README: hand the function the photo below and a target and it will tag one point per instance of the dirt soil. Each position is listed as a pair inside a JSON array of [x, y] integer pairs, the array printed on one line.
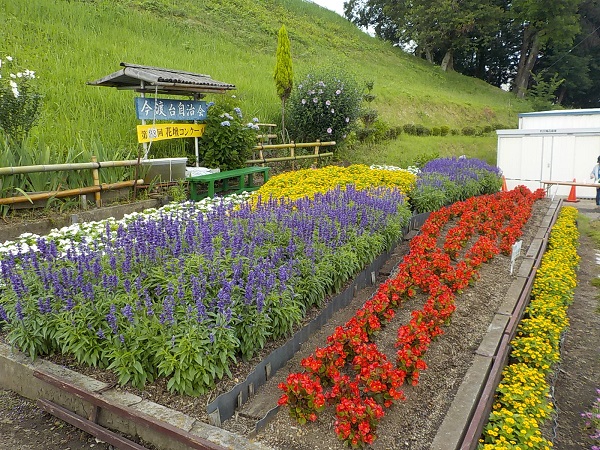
[[410, 424]]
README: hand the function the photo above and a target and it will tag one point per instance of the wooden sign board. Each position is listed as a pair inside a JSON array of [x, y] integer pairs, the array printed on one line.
[[159, 132]]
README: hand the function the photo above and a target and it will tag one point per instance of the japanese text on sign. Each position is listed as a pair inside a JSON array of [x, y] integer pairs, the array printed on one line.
[[169, 109], [159, 132]]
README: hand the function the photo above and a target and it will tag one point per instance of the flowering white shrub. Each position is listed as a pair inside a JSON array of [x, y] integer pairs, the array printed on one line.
[[324, 106], [19, 100]]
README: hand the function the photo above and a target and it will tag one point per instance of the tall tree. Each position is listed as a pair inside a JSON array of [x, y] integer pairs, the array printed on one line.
[[543, 23], [438, 28], [284, 77], [577, 64]]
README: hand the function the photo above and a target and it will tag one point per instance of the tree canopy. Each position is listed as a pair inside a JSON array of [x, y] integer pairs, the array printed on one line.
[[500, 41]]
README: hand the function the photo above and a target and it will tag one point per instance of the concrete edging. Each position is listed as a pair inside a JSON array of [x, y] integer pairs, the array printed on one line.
[[459, 416], [16, 374]]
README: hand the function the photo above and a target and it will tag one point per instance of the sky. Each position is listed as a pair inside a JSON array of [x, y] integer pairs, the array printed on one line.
[[334, 5]]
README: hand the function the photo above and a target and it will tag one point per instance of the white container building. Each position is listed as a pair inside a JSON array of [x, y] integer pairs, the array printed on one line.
[[551, 146]]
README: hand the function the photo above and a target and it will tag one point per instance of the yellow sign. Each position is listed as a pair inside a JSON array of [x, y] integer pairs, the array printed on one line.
[[159, 132]]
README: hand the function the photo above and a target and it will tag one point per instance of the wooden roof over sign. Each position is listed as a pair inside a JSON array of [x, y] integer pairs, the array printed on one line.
[[149, 79]]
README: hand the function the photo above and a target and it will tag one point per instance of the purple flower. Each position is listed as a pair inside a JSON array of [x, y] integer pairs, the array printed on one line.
[[127, 311], [329, 130], [19, 310], [3, 315], [111, 318]]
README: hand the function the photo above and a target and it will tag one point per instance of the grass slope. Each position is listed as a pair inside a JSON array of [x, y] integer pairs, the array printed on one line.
[[69, 43]]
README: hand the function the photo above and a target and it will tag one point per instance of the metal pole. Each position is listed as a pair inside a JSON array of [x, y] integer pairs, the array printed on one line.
[[196, 140]]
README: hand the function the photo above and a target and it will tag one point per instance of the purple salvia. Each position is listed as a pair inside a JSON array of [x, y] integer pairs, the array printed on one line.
[[127, 311], [111, 318]]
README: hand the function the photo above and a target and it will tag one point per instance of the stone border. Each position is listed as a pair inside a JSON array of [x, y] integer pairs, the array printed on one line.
[[492, 353], [17, 374]]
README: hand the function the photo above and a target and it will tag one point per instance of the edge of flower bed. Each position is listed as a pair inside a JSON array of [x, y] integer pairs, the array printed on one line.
[[17, 374], [225, 405], [44, 226], [462, 416]]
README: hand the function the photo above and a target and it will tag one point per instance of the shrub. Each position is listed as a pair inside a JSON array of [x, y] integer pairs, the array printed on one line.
[[454, 132], [227, 141], [422, 130], [324, 106], [19, 101], [468, 131], [444, 130], [410, 128], [488, 129], [436, 131]]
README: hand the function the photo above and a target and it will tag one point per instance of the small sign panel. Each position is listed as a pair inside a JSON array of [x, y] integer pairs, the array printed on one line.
[[169, 109], [516, 252], [162, 131]]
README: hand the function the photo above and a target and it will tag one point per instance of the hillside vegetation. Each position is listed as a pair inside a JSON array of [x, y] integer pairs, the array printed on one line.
[[68, 43]]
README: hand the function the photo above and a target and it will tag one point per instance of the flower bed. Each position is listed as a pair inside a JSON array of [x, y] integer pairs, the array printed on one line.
[[522, 399], [308, 182], [183, 295], [351, 373]]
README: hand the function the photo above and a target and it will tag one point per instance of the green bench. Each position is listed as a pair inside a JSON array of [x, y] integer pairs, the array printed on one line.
[[245, 182]]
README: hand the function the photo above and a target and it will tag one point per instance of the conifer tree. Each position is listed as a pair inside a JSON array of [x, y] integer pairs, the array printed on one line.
[[283, 75]]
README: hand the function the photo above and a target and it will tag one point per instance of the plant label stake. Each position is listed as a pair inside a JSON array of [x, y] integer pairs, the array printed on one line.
[[516, 252]]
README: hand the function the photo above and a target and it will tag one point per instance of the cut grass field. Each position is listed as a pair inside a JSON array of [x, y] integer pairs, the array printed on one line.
[[68, 43]]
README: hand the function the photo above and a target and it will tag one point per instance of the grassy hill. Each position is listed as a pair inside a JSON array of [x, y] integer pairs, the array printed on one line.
[[70, 42]]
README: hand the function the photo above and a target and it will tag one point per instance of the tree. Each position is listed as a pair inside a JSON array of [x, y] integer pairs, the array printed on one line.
[[577, 64], [284, 78], [438, 28], [543, 24]]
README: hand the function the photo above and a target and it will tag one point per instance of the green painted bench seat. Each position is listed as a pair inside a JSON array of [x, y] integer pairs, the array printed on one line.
[[244, 177]]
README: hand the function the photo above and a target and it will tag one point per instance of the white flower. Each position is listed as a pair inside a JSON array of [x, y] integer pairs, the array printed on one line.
[[9, 58], [19, 74], [12, 75], [13, 84]]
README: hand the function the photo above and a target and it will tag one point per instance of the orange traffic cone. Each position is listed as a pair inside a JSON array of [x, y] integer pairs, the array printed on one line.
[[504, 188], [572, 197]]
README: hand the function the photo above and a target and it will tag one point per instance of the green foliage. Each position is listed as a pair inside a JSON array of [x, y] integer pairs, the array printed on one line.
[[468, 131], [542, 93], [421, 130], [324, 106], [410, 128], [420, 161], [284, 76], [428, 199], [19, 100], [228, 140]]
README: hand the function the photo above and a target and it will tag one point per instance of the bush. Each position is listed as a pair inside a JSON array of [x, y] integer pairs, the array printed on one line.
[[409, 129], [19, 101], [444, 130], [422, 130], [468, 131], [436, 131], [228, 140], [488, 129], [324, 106]]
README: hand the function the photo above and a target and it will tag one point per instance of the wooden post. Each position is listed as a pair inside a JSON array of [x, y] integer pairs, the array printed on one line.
[[96, 178], [317, 147], [293, 155]]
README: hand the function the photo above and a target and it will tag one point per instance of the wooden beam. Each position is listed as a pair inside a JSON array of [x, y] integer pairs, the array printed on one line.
[[159, 426], [88, 426]]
